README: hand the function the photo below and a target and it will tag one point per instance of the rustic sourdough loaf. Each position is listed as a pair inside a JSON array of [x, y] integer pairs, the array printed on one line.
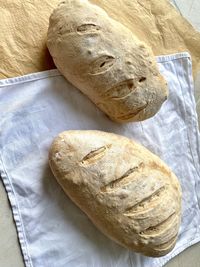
[[126, 191], [106, 61]]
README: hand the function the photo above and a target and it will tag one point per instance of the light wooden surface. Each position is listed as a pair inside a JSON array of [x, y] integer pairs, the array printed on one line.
[[10, 255]]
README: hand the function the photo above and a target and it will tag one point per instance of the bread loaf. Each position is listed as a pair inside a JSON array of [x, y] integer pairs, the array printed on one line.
[[106, 61], [126, 191]]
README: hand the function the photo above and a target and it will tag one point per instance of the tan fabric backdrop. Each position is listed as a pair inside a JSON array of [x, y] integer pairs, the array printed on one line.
[[24, 23]]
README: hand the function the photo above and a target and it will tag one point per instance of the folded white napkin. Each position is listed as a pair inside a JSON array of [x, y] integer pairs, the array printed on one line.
[[52, 231]]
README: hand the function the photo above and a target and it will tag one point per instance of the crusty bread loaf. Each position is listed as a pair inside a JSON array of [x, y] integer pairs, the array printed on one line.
[[126, 191], [106, 61]]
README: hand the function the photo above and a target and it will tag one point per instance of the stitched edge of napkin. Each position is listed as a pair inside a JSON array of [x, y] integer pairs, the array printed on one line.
[[55, 72], [192, 123]]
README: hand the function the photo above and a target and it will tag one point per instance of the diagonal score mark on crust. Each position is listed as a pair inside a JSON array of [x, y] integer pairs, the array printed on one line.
[[166, 245], [124, 179], [81, 30], [121, 90], [161, 233], [130, 211], [88, 28], [133, 114], [162, 247], [101, 64], [95, 155], [161, 227]]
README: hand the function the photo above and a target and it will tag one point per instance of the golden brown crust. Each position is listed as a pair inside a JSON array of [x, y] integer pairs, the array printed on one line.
[[105, 61], [126, 191]]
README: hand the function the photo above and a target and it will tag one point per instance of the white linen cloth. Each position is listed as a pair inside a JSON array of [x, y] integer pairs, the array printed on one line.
[[52, 231]]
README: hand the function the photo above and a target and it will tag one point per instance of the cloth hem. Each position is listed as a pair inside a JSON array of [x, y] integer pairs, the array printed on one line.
[[55, 72], [165, 58], [16, 214], [30, 77], [194, 125]]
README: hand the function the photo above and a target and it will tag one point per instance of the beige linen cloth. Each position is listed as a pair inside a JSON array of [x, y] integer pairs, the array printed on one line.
[[24, 26]]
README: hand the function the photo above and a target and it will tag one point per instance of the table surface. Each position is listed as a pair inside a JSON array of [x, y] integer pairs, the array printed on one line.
[[10, 254]]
